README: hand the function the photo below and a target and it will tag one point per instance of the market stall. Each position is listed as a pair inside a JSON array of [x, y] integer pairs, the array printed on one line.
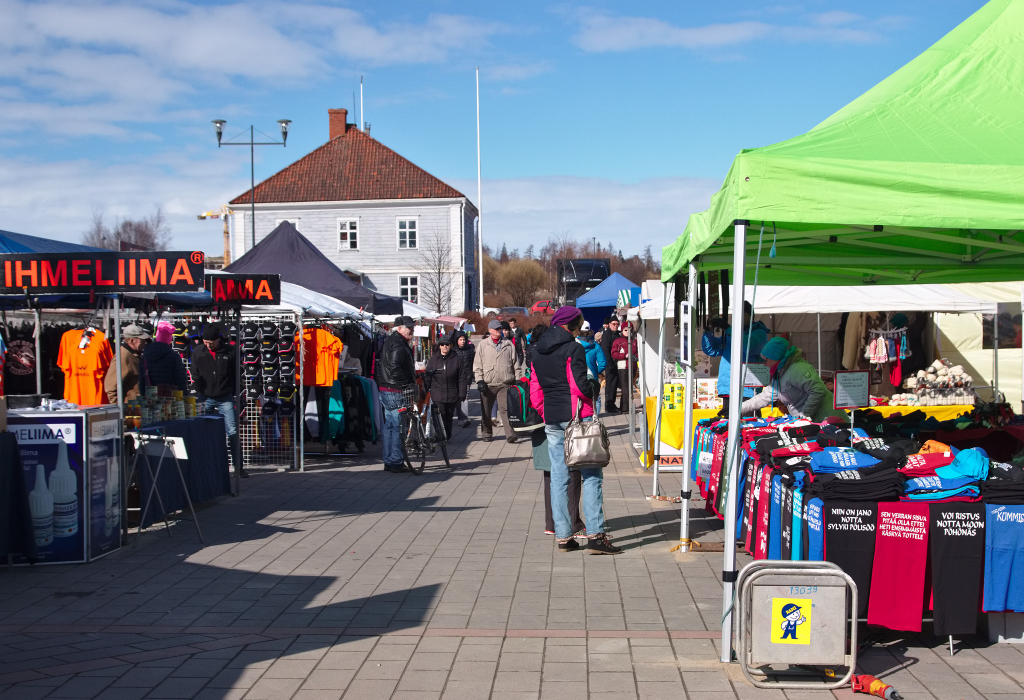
[[843, 204]]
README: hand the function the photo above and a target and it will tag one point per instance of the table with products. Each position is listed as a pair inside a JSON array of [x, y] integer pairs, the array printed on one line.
[[204, 464]]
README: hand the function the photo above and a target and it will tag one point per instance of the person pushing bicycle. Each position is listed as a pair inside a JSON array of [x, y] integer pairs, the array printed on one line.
[[395, 378]]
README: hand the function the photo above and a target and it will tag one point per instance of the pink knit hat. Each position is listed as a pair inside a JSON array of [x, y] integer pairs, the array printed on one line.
[[164, 332]]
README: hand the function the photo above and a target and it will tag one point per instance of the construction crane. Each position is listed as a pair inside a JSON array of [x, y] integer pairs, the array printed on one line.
[[224, 213]]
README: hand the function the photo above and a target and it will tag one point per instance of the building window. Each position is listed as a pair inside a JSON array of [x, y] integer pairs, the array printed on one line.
[[409, 289], [348, 235], [406, 233]]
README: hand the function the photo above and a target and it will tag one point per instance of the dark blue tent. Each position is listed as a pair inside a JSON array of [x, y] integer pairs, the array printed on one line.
[[288, 253], [20, 243]]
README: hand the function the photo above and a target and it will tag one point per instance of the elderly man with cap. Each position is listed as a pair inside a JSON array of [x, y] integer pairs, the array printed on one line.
[[133, 339], [396, 374], [213, 369], [496, 367]]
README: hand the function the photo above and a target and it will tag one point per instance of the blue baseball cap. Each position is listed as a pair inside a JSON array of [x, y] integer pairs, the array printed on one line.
[[971, 463], [789, 608]]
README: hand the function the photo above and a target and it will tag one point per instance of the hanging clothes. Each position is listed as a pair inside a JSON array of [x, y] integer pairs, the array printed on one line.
[[84, 358], [20, 365], [321, 353]]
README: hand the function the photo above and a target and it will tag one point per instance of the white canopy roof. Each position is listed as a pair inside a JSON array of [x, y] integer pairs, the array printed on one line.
[[946, 298], [308, 302]]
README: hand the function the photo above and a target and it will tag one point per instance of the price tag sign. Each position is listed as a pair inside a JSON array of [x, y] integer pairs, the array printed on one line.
[[757, 375], [685, 348], [853, 389], [704, 465]]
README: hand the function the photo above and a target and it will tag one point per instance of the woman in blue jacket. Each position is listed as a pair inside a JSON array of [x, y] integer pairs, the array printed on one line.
[[595, 359], [717, 342]]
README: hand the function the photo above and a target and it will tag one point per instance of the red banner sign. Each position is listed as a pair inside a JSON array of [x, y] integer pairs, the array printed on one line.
[[251, 290]]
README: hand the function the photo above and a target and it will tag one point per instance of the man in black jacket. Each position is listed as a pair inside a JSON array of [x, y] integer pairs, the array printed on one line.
[[397, 373], [611, 382], [214, 364], [560, 370]]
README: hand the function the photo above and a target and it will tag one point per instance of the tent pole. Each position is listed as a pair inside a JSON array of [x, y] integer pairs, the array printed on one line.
[[732, 453], [656, 447], [39, 365], [629, 378], [818, 315], [686, 326], [995, 355], [644, 371]]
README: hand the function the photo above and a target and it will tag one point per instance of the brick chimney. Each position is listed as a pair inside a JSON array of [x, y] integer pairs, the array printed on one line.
[[337, 119]]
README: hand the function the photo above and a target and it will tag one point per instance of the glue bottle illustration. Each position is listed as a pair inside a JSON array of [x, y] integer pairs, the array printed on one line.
[[40, 503], [64, 486]]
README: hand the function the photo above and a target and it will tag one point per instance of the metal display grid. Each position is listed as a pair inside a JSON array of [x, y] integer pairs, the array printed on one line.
[[273, 441]]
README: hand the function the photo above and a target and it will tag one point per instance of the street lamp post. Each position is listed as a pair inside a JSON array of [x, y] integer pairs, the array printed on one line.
[[218, 125]]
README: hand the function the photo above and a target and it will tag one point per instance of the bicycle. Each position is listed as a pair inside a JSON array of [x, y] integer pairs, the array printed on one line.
[[421, 430]]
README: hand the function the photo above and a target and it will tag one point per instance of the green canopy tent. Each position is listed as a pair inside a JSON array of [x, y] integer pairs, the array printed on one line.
[[921, 179]]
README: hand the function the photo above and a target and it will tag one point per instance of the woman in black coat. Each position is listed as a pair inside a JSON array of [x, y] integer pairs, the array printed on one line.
[[466, 352], [446, 381]]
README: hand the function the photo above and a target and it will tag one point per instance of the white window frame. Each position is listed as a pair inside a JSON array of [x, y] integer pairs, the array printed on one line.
[[398, 232], [349, 220], [416, 286], [294, 221]]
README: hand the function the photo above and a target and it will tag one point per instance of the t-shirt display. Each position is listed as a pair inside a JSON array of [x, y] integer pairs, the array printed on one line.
[[84, 358], [897, 575], [956, 540], [321, 355]]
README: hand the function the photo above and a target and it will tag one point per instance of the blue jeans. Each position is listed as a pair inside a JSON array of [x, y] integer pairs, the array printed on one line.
[[593, 482], [392, 401], [225, 407]]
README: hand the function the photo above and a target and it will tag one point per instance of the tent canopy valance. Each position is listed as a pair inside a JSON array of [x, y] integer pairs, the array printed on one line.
[[921, 179]]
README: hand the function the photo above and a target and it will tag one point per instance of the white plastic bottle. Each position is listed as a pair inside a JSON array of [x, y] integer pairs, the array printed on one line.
[[40, 503], [64, 486], [112, 498]]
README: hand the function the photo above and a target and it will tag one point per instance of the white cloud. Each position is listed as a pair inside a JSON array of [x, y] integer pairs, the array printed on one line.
[[508, 72], [600, 32], [524, 211]]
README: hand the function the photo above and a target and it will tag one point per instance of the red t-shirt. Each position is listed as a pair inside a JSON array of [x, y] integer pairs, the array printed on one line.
[[897, 576]]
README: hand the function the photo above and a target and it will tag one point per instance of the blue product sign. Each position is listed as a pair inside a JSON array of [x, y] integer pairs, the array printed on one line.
[[104, 484], [51, 449]]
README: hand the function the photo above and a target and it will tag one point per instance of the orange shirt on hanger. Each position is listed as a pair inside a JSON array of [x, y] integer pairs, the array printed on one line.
[[320, 358], [84, 368]]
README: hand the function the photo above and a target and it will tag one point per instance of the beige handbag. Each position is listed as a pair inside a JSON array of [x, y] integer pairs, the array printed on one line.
[[586, 442]]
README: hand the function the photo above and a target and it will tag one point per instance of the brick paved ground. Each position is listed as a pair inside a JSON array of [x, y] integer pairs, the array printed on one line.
[[348, 582]]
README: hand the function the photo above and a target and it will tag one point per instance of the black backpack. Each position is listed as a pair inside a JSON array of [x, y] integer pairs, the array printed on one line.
[[522, 417]]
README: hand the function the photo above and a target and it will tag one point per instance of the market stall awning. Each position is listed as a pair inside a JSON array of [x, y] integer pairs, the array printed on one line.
[[606, 294], [921, 179], [21, 243]]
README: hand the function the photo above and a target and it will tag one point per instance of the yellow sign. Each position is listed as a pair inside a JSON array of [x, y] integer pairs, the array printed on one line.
[[791, 620]]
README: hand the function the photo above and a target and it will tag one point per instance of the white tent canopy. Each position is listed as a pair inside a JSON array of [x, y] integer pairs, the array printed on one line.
[[946, 298], [308, 302]]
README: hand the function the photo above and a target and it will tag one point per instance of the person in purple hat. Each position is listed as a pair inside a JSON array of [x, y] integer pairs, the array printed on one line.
[[558, 383]]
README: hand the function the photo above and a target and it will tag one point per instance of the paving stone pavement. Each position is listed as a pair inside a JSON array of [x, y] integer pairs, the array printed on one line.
[[348, 582]]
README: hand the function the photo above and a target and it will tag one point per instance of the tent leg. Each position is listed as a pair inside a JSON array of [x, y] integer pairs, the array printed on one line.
[[39, 364], [733, 444], [684, 490], [995, 356], [819, 343], [656, 447]]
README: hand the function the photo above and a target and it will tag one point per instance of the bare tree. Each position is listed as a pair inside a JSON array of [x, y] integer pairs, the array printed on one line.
[[437, 283], [148, 233], [491, 269], [521, 279], [528, 253]]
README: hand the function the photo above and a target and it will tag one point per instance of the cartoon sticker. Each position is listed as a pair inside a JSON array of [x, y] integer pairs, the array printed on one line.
[[791, 620]]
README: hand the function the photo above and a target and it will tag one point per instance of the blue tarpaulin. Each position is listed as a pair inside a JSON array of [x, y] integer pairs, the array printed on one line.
[[601, 301], [20, 243]]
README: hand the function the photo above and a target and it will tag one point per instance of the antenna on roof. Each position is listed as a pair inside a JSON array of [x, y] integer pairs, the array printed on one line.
[[362, 122]]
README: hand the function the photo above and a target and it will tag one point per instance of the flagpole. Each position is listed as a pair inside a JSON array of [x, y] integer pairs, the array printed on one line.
[[479, 196]]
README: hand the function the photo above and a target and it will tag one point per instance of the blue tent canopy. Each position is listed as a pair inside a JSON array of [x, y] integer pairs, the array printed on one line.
[[20, 243], [606, 293]]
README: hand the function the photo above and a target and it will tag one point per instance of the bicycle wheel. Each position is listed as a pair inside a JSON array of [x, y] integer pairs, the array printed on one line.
[[441, 440], [412, 445]]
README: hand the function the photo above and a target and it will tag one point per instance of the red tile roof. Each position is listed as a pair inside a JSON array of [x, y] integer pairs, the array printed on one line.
[[352, 166]]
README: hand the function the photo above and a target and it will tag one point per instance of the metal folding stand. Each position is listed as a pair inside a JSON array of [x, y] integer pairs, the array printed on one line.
[[142, 440]]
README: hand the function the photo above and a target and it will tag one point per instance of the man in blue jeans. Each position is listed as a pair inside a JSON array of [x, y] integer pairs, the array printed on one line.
[[396, 374], [560, 370], [213, 368]]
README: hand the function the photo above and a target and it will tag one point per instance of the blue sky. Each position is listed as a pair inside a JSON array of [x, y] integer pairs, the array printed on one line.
[[614, 120]]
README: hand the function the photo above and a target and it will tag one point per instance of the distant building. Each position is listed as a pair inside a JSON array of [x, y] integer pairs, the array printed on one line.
[[386, 222], [214, 263]]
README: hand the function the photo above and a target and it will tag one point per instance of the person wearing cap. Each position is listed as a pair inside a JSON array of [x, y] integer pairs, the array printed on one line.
[[717, 342], [496, 367], [213, 368], [558, 384], [133, 339], [611, 382], [795, 383], [397, 373], [446, 381], [595, 360], [160, 364]]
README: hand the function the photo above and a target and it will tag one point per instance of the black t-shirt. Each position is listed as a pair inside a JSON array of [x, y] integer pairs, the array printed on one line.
[[20, 362]]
